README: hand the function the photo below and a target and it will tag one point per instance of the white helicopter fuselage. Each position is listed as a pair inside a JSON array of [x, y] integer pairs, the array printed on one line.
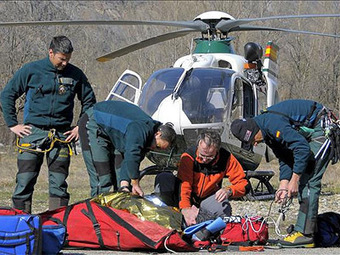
[[170, 110], [200, 92]]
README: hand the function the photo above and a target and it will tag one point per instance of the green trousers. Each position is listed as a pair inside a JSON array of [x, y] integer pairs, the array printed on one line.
[[102, 160], [310, 186], [29, 164]]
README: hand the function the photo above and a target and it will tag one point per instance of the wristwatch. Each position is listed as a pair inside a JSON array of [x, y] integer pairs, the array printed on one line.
[[229, 192]]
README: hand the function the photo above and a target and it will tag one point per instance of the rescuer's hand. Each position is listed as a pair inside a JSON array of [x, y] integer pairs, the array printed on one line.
[[190, 215], [136, 189], [282, 193], [21, 130], [222, 194], [72, 135], [293, 185]]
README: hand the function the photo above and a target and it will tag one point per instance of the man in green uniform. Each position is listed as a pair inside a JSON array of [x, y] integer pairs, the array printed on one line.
[[50, 85], [115, 137], [295, 131]]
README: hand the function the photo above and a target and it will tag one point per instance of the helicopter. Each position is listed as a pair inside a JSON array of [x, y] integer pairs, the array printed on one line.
[[206, 89]]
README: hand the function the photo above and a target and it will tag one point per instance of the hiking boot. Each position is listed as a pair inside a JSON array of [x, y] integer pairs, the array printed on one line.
[[297, 239]]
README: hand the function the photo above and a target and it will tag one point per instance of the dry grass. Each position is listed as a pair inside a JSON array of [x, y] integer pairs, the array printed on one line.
[[330, 182], [79, 182]]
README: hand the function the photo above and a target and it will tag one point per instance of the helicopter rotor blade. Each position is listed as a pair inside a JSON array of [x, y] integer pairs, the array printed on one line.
[[226, 25], [145, 43], [196, 25], [259, 28]]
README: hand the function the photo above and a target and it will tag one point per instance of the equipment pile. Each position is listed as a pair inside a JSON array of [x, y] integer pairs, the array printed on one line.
[[120, 221]]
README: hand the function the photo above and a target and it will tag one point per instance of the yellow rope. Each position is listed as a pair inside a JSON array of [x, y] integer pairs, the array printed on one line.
[[53, 139]]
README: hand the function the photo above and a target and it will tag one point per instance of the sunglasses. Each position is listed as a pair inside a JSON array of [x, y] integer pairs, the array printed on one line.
[[206, 157]]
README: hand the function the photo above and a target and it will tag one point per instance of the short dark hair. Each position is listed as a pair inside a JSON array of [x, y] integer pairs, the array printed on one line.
[[168, 132], [211, 138], [61, 44]]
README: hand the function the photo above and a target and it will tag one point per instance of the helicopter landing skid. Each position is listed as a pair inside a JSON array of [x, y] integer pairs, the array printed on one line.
[[260, 187], [154, 170]]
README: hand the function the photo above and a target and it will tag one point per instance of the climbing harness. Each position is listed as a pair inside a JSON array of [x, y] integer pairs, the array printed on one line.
[[328, 122], [331, 126], [45, 145]]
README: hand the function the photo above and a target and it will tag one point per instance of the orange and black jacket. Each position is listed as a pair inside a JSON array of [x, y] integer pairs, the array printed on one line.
[[198, 180]]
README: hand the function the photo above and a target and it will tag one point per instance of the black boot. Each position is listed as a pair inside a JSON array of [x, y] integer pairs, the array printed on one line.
[[57, 202], [25, 206]]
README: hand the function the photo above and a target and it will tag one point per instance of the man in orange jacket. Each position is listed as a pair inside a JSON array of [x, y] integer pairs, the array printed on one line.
[[199, 180]]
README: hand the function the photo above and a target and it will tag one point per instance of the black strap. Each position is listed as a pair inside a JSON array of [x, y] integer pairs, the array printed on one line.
[[55, 220], [65, 218], [296, 123], [128, 227], [36, 233], [20, 235], [95, 223], [28, 244], [293, 122], [310, 114]]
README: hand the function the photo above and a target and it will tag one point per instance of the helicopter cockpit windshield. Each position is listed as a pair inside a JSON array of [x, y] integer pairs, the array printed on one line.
[[204, 94], [159, 86], [203, 91]]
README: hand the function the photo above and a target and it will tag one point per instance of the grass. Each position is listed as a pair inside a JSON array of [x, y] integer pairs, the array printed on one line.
[[78, 181]]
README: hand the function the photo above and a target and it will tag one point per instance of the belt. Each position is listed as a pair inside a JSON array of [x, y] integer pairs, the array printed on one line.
[[57, 128]]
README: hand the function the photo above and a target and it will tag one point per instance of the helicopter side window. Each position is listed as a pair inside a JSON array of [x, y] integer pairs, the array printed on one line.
[[224, 64], [243, 105], [262, 100], [249, 101], [126, 88], [237, 104]]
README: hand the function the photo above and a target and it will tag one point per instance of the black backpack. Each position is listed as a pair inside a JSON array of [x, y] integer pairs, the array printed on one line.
[[328, 233]]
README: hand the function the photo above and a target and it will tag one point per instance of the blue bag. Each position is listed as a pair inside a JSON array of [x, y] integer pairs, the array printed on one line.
[[20, 234], [189, 231], [209, 230], [328, 233], [53, 238]]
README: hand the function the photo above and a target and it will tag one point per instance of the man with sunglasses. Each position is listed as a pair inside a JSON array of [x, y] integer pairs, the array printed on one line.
[[115, 136], [201, 171]]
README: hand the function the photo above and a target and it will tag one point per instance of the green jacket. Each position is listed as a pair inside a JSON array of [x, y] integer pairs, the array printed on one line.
[[130, 130], [49, 94], [279, 133]]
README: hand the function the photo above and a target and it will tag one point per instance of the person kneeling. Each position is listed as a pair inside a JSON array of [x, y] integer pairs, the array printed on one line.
[[197, 190]]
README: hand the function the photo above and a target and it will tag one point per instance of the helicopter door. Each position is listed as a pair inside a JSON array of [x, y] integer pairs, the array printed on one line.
[[244, 106], [127, 88]]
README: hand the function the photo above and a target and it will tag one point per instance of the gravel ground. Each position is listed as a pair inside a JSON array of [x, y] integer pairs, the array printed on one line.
[[266, 209]]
